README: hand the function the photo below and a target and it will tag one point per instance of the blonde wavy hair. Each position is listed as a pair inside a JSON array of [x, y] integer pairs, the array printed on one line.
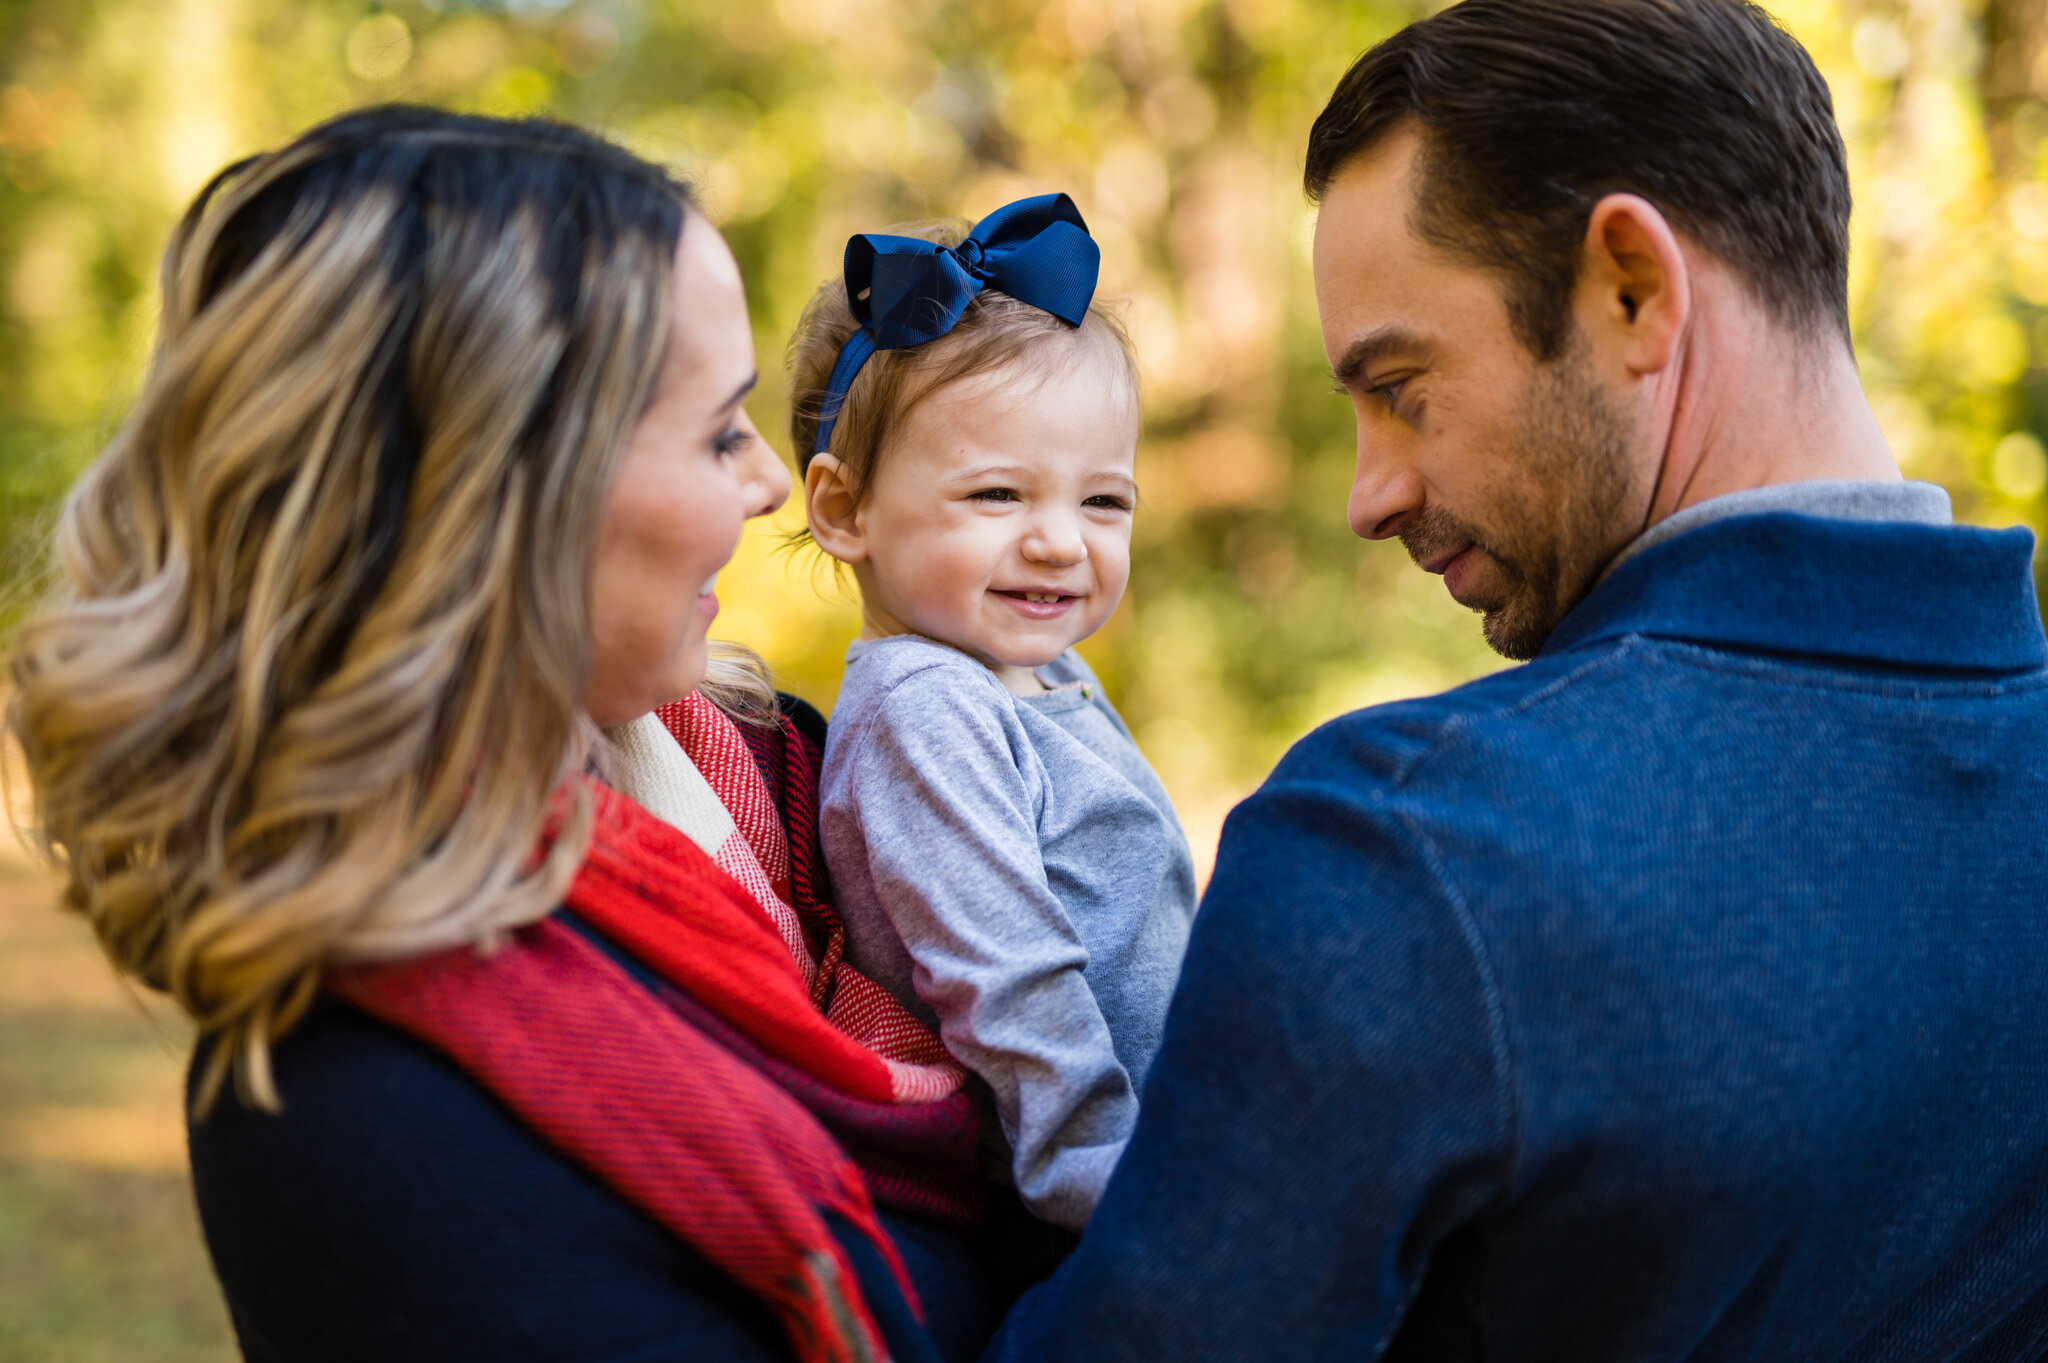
[[308, 688]]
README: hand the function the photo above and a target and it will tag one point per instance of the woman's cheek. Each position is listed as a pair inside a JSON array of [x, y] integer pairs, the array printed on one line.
[[716, 515], [667, 529]]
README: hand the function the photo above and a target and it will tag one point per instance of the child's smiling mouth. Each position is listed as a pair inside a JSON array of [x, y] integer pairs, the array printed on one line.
[[1039, 605]]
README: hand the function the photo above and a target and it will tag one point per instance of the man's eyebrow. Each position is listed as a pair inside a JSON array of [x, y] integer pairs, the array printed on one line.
[[740, 393], [1367, 349]]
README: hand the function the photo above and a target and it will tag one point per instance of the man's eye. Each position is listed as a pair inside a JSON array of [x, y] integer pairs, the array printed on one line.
[[1389, 393], [994, 494]]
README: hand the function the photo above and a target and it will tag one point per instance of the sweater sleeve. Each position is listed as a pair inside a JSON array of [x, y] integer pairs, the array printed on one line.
[[1332, 1101], [948, 792]]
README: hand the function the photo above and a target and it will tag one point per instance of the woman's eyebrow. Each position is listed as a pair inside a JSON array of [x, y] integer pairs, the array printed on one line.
[[739, 393]]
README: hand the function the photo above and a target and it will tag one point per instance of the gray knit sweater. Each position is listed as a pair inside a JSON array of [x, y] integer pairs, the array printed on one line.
[[1012, 869]]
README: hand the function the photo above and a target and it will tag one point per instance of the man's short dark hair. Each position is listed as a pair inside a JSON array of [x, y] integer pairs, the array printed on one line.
[[1531, 110]]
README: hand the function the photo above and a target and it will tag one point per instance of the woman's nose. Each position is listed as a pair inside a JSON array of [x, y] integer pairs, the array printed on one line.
[[764, 477]]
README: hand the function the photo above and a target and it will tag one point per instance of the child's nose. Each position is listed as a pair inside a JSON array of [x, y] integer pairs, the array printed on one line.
[[1055, 539]]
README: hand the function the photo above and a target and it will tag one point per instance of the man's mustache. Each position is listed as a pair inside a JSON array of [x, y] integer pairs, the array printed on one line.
[[1432, 530]]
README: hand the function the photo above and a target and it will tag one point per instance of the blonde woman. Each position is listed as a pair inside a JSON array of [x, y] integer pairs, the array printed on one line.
[[440, 451]]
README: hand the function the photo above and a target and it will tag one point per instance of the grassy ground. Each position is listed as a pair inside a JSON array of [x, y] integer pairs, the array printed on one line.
[[100, 1256]]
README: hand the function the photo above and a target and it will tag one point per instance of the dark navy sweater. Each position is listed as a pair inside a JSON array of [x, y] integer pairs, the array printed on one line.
[[1681, 995], [397, 1211]]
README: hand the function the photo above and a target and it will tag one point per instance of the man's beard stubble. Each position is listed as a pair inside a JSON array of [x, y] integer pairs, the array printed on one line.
[[1550, 517]]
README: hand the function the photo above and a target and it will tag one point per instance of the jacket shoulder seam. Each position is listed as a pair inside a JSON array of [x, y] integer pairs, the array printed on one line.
[[1457, 723]]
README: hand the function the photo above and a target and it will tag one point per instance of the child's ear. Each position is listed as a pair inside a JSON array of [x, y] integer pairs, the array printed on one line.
[[833, 510]]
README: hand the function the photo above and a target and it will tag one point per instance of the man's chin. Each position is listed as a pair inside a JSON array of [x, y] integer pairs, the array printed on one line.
[[1514, 625], [1516, 632]]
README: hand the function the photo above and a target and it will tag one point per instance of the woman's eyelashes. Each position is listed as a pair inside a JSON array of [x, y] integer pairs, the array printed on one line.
[[732, 441]]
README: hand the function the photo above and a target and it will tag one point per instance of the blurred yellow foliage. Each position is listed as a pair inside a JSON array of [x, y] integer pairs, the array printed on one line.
[[1177, 125]]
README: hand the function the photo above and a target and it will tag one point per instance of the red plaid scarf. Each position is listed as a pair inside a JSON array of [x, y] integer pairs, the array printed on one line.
[[771, 848], [745, 1099]]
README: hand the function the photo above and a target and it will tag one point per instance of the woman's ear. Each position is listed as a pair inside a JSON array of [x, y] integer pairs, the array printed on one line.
[[833, 509], [1635, 290]]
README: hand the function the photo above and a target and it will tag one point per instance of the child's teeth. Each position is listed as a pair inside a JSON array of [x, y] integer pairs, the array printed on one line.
[[709, 584]]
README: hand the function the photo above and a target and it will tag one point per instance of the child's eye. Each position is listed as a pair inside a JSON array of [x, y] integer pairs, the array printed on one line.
[[994, 494], [1109, 502]]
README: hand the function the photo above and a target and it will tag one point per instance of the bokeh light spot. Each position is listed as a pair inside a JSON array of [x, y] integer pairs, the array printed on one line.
[[1994, 352], [2019, 466], [2027, 208], [379, 47], [1881, 48], [587, 44]]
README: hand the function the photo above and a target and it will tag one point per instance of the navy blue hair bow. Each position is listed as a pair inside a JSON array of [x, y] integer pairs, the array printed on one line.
[[905, 292]]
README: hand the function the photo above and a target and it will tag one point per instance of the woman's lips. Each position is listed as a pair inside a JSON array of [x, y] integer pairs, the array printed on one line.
[[1040, 610]]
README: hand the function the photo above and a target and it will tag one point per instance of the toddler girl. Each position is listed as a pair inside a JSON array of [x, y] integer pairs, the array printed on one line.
[[1005, 860]]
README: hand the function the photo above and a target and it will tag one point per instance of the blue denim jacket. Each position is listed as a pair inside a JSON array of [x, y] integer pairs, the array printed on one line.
[[1682, 994]]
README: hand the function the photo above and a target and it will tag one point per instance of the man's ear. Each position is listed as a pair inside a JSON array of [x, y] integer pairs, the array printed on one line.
[[1634, 286], [833, 509]]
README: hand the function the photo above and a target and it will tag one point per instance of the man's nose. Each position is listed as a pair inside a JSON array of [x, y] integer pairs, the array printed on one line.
[[1384, 494], [1054, 537]]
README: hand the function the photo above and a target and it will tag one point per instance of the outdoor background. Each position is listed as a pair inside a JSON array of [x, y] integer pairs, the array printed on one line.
[[1177, 125]]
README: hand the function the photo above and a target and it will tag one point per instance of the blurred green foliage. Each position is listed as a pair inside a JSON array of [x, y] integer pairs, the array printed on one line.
[[1178, 127]]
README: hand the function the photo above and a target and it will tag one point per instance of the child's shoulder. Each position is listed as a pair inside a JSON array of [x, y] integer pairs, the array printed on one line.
[[928, 703], [910, 671]]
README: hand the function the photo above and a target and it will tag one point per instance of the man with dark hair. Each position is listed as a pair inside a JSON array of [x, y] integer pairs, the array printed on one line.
[[1679, 994]]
